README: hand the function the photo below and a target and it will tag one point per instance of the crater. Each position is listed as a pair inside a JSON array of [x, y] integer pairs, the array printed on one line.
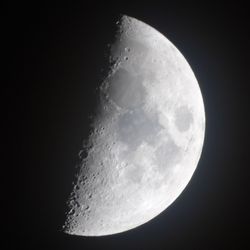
[[132, 47], [183, 118]]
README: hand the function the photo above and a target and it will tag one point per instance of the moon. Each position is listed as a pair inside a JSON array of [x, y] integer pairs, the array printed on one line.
[[147, 135]]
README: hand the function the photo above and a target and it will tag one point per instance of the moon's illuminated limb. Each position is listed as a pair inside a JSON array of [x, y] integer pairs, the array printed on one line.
[[147, 139]]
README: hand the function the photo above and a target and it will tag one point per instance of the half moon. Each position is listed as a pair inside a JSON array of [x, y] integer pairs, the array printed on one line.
[[147, 137]]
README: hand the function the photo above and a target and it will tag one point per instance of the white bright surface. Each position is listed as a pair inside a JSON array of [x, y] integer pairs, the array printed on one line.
[[147, 139]]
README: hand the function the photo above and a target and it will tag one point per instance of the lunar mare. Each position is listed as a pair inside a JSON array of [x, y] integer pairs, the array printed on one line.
[[147, 137]]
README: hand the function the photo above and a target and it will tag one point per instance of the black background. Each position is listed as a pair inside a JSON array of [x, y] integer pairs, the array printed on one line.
[[54, 53]]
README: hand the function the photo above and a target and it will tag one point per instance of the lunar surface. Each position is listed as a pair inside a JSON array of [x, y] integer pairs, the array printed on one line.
[[147, 136]]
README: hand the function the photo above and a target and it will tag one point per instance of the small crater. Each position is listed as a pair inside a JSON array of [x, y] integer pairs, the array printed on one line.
[[77, 204], [72, 211]]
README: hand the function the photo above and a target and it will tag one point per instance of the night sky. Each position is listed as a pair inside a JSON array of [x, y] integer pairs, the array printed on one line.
[[54, 55]]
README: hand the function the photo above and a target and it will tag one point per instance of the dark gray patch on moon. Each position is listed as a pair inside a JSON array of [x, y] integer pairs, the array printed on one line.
[[183, 118], [167, 155], [126, 90], [135, 127]]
